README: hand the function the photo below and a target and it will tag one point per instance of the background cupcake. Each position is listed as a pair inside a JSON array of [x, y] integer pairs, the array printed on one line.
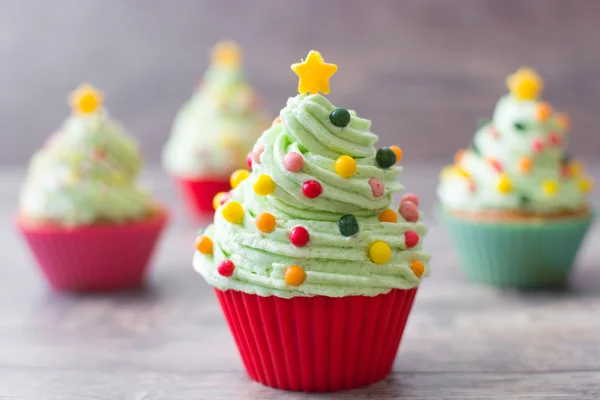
[[315, 273], [88, 223], [214, 131], [514, 202]]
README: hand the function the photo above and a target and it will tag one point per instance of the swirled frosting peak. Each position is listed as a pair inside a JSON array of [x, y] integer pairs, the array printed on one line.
[[315, 215]]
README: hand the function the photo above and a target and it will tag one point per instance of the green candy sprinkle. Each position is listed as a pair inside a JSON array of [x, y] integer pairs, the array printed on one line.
[[348, 225], [385, 157], [340, 117]]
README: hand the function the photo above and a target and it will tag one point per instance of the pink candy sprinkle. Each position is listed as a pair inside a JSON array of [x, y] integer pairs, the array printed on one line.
[[537, 145], [554, 139], [377, 187], [257, 152], [224, 198], [249, 161], [409, 211], [413, 198], [293, 161]]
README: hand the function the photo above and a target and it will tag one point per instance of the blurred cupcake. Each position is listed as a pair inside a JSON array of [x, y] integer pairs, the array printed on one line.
[[214, 131], [514, 202], [81, 211], [315, 270]]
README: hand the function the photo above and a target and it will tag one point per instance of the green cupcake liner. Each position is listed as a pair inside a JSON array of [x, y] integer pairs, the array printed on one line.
[[517, 254]]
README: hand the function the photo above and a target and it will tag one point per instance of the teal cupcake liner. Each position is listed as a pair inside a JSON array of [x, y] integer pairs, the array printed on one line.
[[522, 254]]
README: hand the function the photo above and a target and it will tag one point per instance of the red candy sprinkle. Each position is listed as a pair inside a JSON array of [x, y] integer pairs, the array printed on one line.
[[554, 139], [249, 161], [299, 236], [496, 165], [537, 145], [413, 198], [226, 268], [411, 238], [409, 211], [226, 196], [312, 189]]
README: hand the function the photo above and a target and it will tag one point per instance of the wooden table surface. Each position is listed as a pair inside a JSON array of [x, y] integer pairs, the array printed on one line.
[[168, 341]]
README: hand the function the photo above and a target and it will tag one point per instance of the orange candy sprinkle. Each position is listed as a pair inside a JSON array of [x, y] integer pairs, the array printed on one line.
[[388, 216], [418, 268], [525, 164], [563, 121], [459, 155], [398, 152], [204, 244], [277, 120], [266, 222], [543, 111], [294, 275]]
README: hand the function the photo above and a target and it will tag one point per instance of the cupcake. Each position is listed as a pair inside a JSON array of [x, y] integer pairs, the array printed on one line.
[[87, 222], [314, 268], [214, 131], [515, 203]]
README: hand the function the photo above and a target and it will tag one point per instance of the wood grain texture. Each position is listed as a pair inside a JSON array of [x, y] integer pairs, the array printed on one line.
[[169, 340], [424, 71]]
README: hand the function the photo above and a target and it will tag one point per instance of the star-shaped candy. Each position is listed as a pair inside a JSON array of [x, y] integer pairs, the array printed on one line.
[[525, 84], [314, 74], [86, 99]]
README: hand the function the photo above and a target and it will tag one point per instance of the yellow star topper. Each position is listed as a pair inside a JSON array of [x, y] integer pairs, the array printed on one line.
[[314, 74], [525, 84], [227, 54], [86, 99]]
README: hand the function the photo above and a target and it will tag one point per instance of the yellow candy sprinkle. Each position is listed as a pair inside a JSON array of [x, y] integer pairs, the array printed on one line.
[[543, 111], [525, 164], [586, 184], [462, 172], [238, 176], [563, 121], [217, 200], [345, 166], [266, 222], [525, 84], [227, 54], [550, 187], [264, 185], [233, 212], [398, 152], [418, 268], [380, 252], [388, 216], [204, 244], [314, 74], [294, 275], [504, 184], [86, 99], [575, 168], [276, 121]]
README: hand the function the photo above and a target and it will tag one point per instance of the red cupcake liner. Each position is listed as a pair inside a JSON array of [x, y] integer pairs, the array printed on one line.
[[96, 257], [199, 194], [317, 344]]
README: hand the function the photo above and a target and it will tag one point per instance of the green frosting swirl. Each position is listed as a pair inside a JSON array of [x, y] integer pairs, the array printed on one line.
[[335, 265], [85, 174]]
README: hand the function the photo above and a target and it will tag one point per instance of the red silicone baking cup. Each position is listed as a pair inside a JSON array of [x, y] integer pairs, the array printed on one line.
[[95, 257], [317, 344], [198, 195]]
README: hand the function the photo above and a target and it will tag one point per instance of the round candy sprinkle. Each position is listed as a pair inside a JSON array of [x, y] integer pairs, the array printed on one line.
[[417, 267], [495, 164], [345, 166], [249, 161], [226, 268], [299, 236], [312, 189], [554, 139], [409, 211], [377, 187], [264, 185], [233, 212], [380, 252], [398, 152], [340, 117], [238, 176], [519, 126], [411, 238], [217, 200], [459, 156], [413, 198], [257, 152], [537, 145], [225, 198], [204, 244], [388, 216], [504, 184], [348, 225], [575, 168], [277, 120], [563, 121], [525, 165], [586, 184], [266, 222], [543, 111], [550, 187], [385, 157], [293, 161], [294, 275]]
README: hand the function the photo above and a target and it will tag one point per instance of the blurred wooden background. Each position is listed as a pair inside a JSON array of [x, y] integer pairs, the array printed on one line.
[[423, 71]]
